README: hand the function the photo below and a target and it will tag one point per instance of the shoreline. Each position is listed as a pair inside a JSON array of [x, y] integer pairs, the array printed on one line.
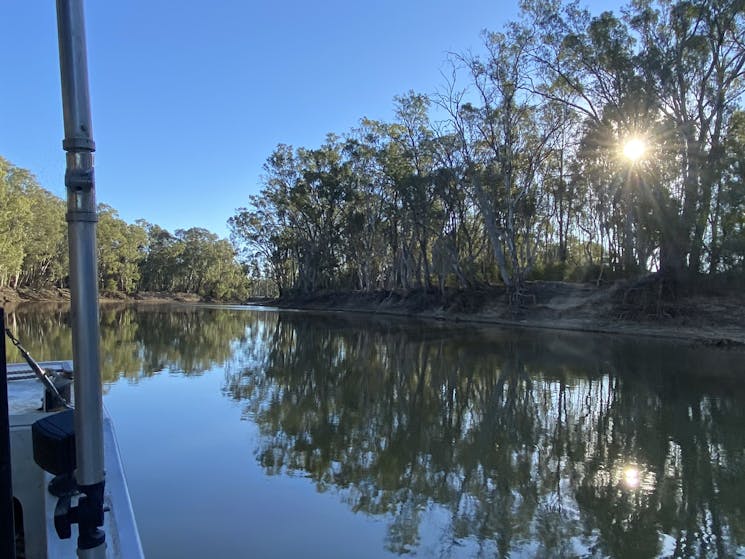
[[715, 339], [711, 319], [12, 298]]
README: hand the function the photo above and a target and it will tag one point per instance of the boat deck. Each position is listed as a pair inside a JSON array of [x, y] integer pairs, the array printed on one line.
[[25, 394]]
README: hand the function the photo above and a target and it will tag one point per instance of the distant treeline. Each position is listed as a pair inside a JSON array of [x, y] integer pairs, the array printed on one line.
[[519, 167], [131, 257]]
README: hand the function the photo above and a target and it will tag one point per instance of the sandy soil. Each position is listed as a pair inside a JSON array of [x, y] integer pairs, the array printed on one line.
[[712, 318]]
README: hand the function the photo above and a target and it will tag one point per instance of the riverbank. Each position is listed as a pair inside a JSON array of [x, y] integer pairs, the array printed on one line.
[[711, 317], [14, 297]]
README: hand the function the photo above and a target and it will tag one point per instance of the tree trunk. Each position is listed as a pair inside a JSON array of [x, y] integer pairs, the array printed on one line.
[[493, 231]]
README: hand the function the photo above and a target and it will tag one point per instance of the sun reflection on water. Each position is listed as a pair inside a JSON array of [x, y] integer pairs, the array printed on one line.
[[631, 477]]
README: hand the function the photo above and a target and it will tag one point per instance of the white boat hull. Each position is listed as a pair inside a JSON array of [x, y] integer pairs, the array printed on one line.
[[30, 482]]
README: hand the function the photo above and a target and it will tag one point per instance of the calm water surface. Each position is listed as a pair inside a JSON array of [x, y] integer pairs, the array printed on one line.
[[255, 433]]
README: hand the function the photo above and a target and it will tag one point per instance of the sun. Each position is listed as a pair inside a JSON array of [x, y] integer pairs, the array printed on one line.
[[634, 149]]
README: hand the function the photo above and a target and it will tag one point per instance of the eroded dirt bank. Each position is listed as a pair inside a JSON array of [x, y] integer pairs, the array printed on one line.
[[713, 317]]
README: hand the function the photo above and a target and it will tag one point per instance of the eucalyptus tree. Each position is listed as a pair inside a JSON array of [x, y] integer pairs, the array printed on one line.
[[319, 199], [459, 241], [158, 269], [260, 237], [505, 140], [466, 120], [728, 214], [45, 259], [694, 54], [15, 210], [120, 251], [529, 161], [264, 230], [396, 201], [197, 260], [367, 217], [191, 261], [224, 279], [565, 204], [33, 241], [296, 221], [670, 72], [411, 164], [588, 65]]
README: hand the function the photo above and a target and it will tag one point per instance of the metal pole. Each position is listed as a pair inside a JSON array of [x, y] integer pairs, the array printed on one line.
[[81, 218], [7, 526]]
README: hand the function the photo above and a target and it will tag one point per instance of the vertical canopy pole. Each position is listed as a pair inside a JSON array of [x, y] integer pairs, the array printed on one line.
[[81, 218]]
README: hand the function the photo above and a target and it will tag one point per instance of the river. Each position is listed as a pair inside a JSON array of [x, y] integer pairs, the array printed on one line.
[[262, 433]]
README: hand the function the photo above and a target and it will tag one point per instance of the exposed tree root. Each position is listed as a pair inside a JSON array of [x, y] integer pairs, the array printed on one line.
[[653, 296]]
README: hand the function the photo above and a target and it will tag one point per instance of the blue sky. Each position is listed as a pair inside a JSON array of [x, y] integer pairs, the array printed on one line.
[[189, 98]]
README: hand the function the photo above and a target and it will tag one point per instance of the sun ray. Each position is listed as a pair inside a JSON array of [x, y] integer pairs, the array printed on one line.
[[634, 149]]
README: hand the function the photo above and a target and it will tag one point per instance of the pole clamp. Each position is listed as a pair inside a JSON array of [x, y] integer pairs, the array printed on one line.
[[73, 216], [79, 178], [88, 515], [78, 144]]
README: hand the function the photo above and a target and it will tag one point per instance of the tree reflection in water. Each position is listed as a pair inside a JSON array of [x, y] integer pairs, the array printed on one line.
[[504, 444], [537, 444], [137, 342]]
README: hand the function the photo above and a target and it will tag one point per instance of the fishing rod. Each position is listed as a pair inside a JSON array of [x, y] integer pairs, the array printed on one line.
[[40, 373]]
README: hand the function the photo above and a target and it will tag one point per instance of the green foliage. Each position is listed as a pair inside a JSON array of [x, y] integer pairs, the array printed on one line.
[[525, 160], [45, 260], [30, 236], [131, 257], [730, 230], [119, 251], [191, 261], [519, 176]]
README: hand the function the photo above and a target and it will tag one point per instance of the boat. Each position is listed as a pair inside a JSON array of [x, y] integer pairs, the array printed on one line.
[[63, 492], [35, 533]]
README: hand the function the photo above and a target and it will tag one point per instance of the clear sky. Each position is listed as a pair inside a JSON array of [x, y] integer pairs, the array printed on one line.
[[190, 98]]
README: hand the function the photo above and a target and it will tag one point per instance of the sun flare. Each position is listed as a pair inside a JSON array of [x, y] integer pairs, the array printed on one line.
[[634, 149], [631, 477]]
